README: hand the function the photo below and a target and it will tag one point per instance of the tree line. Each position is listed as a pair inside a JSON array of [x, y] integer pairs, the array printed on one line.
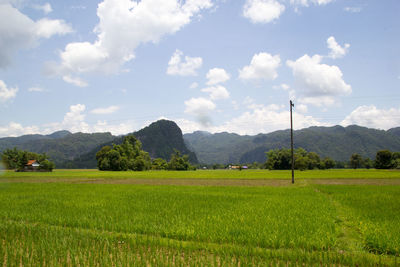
[[130, 156], [384, 159], [281, 159], [15, 159]]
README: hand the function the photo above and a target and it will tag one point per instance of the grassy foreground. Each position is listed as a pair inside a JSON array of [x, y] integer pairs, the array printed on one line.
[[203, 174], [68, 224]]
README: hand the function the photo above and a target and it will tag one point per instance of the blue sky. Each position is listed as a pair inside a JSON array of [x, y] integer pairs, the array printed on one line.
[[215, 65]]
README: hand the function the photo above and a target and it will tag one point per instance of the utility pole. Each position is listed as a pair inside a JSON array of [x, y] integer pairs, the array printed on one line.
[[291, 138]]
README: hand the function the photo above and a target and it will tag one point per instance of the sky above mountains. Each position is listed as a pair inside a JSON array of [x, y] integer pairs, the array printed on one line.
[[213, 65]]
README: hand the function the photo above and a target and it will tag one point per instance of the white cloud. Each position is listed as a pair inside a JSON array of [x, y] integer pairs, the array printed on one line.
[[115, 129], [194, 85], [107, 110], [74, 121], [262, 11], [337, 51], [264, 119], [308, 2], [371, 116], [17, 33], [123, 26], [21, 32], [75, 81], [48, 27], [35, 89], [216, 76], [200, 108], [186, 68], [262, 66], [7, 93], [301, 108], [353, 9], [16, 129], [216, 92], [260, 119], [318, 83], [46, 8]]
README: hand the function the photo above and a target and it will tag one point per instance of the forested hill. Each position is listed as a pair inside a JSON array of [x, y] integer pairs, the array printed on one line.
[[60, 146], [336, 142], [161, 138], [78, 150]]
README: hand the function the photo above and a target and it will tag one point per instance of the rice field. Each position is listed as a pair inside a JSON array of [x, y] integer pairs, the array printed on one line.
[[57, 219]]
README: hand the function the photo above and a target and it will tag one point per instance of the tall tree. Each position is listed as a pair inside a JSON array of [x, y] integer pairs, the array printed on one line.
[[356, 161], [383, 159], [127, 156]]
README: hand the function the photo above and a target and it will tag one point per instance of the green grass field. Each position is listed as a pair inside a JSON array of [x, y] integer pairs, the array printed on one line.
[[92, 218]]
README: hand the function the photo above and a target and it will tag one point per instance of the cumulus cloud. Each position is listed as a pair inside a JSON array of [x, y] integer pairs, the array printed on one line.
[[259, 119], [75, 81], [262, 11], [262, 66], [48, 27], [123, 26], [21, 32], [7, 93], [185, 68], [216, 76], [15, 129], [17, 33], [337, 51], [46, 8], [216, 92], [306, 3], [107, 110], [319, 83], [200, 108], [373, 117], [74, 121]]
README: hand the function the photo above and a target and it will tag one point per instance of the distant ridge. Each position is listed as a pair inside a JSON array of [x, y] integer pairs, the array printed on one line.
[[336, 142], [78, 150]]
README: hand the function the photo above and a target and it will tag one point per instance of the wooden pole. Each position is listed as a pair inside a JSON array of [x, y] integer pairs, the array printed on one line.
[[291, 138]]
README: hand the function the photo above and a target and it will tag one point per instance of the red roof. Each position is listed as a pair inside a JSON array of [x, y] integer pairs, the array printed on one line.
[[30, 162]]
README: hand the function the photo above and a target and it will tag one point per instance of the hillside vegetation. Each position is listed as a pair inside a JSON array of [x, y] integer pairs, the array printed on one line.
[[337, 142], [78, 150]]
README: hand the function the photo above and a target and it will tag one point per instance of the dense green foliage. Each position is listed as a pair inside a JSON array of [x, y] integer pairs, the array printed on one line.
[[127, 156], [281, 159], [337, 142], [15, 159], [179, 162], [386, 159], [159, 164], [101, 224]]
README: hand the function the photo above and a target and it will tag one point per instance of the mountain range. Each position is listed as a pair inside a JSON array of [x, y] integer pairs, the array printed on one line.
[[336, 142], [78, 150]]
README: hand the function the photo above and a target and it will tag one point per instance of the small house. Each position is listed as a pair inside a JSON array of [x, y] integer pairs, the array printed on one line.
[[32, 165]]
